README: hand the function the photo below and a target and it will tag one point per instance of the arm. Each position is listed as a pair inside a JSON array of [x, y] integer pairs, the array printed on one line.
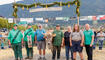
[[9, 37], [35, 37], [62, 41], [62, 38], [92, 41], [92, 35], [82, 41], [70, 40]]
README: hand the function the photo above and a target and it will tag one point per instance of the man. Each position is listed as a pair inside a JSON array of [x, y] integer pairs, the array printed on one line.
[[88, 41], [15, 38], [29, 39], [67, 43], [95, 39], [101, 36], [58, 41], [41, 43]]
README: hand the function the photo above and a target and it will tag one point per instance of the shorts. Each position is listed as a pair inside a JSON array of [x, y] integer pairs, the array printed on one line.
[[41, 45], [76, 46]]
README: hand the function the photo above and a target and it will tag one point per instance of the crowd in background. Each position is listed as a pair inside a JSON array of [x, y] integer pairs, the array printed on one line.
[[74, 39]]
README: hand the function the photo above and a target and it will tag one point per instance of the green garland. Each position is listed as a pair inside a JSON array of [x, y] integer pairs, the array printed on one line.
[[16, 5]]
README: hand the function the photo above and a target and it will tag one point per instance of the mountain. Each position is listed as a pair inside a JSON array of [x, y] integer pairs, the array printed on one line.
[[88, 7]]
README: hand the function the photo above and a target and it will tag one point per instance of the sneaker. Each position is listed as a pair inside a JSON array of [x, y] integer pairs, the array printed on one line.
[[44, 58], [58, 59], [27, 58], [53, 59], [16, 59], [31, 58], [21, 58], [39, 58]]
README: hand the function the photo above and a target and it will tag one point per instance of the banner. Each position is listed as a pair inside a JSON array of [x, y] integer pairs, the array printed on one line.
[[47, 9], [10, 20], [94, 18], [28, 20], [89, 17], [59, 18], [82, 18], [39, 19]]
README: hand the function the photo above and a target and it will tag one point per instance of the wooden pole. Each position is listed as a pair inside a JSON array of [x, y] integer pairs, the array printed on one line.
[[78, 20]]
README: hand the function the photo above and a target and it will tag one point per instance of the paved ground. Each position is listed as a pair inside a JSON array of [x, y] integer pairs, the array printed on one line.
[[7, 54]]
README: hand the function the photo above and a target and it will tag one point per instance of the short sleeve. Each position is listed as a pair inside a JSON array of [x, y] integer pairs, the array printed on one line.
[[35, 33], [21, 35], [9, 35], [62, 35], [44, 31], [71, 34], [53, 32], [82, 34], [92, 33], [104, 34], [98, 34]]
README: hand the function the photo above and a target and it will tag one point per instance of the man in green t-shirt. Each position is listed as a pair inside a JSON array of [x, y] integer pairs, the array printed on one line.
[[15, 38], [88, 41], [58, 40], [29, 40]]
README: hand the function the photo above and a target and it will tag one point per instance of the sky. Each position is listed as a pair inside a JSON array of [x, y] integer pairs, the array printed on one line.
[[2, 2]]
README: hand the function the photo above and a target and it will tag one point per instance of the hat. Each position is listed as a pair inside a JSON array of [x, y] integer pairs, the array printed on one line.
[[39, 25], [15, 25], [57, 25], [29, 24]]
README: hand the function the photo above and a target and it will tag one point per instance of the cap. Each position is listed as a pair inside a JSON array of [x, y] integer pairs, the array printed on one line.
[[29, 24], [57, 25], [15, 25]]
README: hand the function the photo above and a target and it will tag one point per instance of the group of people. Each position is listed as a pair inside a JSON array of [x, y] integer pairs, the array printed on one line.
[[73, 40]]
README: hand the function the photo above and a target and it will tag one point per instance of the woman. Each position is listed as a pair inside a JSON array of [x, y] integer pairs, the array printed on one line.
[[67, 43], [76, 41]]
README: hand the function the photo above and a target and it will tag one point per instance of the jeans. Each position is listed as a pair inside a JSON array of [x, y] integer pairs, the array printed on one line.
[[100, 44], [58, 50], [89, 51], [95, 42], [68, 49]]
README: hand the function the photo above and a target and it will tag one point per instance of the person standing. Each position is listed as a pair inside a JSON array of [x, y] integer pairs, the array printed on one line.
[[88, 41], [101, 36], [29, 40], [67, 43], [58, 41], [41, 43], [15, 38], [77, 41], [95, 39]]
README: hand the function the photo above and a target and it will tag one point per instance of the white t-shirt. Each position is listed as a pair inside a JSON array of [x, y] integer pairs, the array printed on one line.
[[101, 38], [76, 36]]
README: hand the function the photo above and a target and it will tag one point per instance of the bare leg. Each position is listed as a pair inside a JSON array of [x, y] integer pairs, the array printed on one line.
[[74, 55], [81, 55]]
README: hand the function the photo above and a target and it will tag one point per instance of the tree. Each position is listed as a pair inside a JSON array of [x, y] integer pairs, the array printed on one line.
[[4, 23]]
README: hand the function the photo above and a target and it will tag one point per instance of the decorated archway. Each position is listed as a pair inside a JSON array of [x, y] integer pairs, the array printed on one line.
[[69, 3]]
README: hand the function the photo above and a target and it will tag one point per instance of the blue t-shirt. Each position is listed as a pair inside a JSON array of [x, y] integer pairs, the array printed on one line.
[[39, 34]]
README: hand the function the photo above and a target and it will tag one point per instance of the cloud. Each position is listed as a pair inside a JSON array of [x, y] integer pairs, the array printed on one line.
[[2, 2]]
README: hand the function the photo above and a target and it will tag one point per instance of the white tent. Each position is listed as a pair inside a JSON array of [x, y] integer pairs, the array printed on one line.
[[2, 2]]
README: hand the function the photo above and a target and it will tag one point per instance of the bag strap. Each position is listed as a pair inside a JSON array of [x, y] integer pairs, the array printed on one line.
[[27, 33], [15, 36]]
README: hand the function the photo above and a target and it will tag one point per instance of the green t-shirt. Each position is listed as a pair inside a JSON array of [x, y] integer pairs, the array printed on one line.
[[12, 34], [88, 36], [58, 38], [30, 32]]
